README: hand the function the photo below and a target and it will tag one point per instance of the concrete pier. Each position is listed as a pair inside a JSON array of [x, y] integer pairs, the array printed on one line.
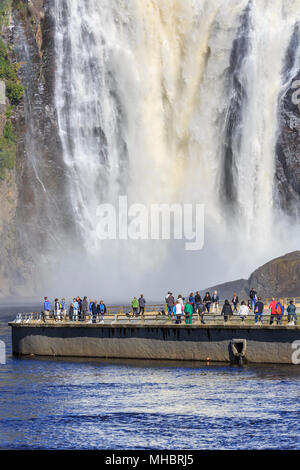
[[254, 344]]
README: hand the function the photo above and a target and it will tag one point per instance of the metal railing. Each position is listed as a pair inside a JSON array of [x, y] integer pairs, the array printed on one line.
[[159, 317]]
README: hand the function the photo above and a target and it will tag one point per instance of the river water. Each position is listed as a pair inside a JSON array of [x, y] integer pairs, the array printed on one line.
[[116, 404]]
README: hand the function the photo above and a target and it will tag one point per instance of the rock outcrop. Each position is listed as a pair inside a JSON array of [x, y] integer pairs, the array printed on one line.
[[279, 277]]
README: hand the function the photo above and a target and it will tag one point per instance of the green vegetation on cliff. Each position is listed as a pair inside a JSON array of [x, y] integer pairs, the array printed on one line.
[[14, 92], [8, 149], [5, 8], [9, 73]]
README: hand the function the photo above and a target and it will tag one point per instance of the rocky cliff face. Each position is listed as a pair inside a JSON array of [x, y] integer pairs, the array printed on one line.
[[280, 277], [277, 278], [28, 36], [288, 144]]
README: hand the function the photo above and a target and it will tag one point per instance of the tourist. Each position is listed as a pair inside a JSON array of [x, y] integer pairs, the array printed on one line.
[[94, 312], [292, 316], [57, 310], [201, 312], [178, 311], [101, 310], [252, 296], [226, 310], [63, 308], [91, 305], [272, 308], [198, 300], [71, 310], [170, 304], [215, 302], [235, 301], [75, 309], [192, 300], [135, 306], [180, 299], [189, 310], [207, 301], [79, 301], [84, 308], [142, 303], [279, 312], [47, 309], [259, 310], [243, 310]]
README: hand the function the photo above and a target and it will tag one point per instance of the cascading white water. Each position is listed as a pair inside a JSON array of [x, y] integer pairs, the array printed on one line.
[[149, 94]]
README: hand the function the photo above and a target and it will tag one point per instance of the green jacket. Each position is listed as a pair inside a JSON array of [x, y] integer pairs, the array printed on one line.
[[135, 303], [188, 309]]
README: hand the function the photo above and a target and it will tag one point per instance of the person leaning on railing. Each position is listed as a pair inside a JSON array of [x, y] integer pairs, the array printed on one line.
[[188, 310], [292, 316], [243, 311], [259, 310], [226, 310]]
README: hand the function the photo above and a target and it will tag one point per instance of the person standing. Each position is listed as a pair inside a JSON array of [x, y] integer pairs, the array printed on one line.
[[252, 296], [226, 310], [292, 316], [94, 312], [135, 306], [142, 303], [215, 302], [201, 312], [272, 308], [189, 310], [63, 308], [235, 302], [84, 309], [180, 299], [243, 310], [57, 310], [101, 310], [198, 301], [170, 303], [178, 311], [279, 312], [47, 309], [79, 301], [259, 310], [75, 309], [207, 301], [192, 300]]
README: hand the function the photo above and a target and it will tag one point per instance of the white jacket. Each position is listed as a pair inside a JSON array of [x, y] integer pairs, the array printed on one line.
[[243, 310]]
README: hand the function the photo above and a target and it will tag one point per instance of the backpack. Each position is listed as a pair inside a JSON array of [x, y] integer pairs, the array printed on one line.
[[278, 310]]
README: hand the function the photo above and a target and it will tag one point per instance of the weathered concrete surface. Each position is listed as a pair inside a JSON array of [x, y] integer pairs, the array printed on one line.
[[270, 344]]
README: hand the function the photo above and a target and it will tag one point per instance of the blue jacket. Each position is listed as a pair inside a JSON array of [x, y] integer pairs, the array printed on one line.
[[102, 308], [76, 305], [291, 309], [47, 305]]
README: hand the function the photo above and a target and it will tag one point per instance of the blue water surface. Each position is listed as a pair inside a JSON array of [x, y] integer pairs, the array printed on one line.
[[113, 404]]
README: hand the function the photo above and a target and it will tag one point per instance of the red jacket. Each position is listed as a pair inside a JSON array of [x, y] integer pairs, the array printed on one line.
[[272, 306]]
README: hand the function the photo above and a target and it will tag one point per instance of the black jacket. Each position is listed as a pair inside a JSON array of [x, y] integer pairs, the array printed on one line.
[[259, 307], [227, 310], [207, 299], [198, 298]]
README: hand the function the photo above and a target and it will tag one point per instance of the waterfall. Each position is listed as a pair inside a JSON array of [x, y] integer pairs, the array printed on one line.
[[174, 101]]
